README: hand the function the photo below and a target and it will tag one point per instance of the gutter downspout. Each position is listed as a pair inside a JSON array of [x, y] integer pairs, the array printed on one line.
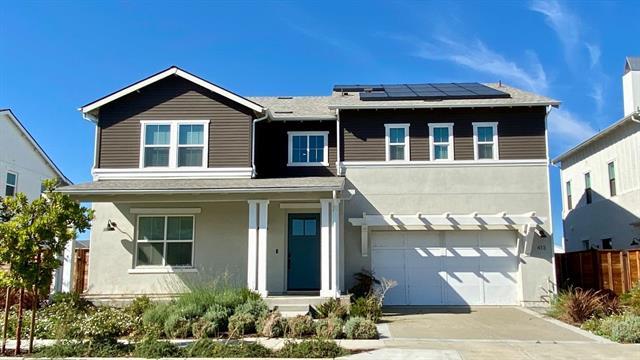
[[338, 167], [267, 112]]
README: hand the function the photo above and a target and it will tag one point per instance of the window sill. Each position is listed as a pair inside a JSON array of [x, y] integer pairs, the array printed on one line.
[[161, 270], [307, 164]]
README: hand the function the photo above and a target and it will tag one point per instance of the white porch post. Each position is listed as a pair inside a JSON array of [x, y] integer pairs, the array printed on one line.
[[263, 212], [335, 271], [252, 255], [325, 243]]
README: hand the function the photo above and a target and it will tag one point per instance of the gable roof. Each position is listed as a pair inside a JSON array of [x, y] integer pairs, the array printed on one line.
[[90, 108], [35, 145], [631, 117], [632, 64]]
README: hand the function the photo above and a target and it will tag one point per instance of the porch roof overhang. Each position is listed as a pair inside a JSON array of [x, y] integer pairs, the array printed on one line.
[[447, 220], [204, 186]]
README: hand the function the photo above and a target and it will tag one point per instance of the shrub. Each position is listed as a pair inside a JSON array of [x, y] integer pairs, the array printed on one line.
[[330, 328], [360, 328], [177, 326], [331, 308], [312, 349], [72, 300], [241, 324], [189, 311], [299, 326], [364, 284], [273, 325], [626, 329], [256, 307], [152, 348], [631, 299], [219, 316], [576, 306], [367, 307], [210, 348], [107, 322], [139, 306], [157, 314], [103, 348]]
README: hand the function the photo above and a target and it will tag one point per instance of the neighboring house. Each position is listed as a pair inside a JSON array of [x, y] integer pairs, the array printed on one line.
[[601, 179], [23, 167], [443, 188]]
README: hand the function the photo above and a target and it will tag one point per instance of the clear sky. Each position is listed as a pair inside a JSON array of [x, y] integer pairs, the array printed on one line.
[[60, 55]]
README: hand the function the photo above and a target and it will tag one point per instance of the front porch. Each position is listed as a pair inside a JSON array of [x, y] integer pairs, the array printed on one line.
[[278, 237]]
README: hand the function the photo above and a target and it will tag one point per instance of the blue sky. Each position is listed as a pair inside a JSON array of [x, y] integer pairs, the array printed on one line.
[[60, 55]]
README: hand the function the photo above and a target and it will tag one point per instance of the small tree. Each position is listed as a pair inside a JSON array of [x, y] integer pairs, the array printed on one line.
[[32, 236]]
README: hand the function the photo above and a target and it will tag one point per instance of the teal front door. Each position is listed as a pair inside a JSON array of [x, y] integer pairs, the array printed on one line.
[[303, 258]]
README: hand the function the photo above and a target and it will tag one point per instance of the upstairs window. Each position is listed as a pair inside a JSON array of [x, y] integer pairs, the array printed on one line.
[[568, 193], [308, 148], [485, 140], [397, 142], [441, 141], [190, 145], [165, 241], [611, 169], [174, 144], [587, 188], [11, 185]]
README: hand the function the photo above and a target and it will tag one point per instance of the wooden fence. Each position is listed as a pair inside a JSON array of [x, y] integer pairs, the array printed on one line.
[[616, 270], [81, 270]]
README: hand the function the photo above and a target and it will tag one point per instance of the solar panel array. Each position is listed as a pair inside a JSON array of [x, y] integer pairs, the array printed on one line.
[[441, 91]]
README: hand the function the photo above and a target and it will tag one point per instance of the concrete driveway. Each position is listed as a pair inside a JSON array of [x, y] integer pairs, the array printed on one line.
[[486, 323], [488, 333]]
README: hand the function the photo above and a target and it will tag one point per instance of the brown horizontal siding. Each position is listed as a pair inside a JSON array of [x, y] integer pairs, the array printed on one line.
[[521, 131], [174, 99], [272, 144]]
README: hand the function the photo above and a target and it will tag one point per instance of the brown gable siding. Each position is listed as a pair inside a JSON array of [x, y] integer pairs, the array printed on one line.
[[272, 144], [174, 98], [521, 131]]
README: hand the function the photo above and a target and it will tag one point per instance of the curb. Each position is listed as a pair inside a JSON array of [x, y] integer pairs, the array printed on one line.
[[564, 325]]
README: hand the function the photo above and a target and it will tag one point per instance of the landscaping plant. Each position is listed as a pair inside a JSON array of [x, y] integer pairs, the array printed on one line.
[[299, 326], [577, 305], [631, 299], [241, 324], [155, 349], [329, 328], [272, 325], [331, 308], [360, 328], [210, 348], [314, 348], [368, 307]]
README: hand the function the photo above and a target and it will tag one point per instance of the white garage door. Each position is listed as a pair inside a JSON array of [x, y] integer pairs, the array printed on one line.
[[447, 267]]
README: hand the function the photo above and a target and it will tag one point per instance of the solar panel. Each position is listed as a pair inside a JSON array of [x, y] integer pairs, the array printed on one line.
[[427, 91]]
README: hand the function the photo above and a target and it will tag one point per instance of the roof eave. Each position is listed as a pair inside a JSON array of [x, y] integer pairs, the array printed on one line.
[[379, 105], [83, 192], [593, 138]]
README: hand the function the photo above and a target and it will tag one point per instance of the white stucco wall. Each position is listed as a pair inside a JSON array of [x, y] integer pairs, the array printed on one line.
[[608, 216], [458, 190], [18, 155]]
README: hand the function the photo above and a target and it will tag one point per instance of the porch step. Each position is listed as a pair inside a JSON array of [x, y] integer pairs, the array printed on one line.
[[290, 314]]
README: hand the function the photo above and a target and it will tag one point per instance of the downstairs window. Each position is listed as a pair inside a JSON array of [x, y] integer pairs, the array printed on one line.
[[165, 241]]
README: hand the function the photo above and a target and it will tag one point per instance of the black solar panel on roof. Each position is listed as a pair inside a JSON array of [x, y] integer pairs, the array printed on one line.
[[428, 91]]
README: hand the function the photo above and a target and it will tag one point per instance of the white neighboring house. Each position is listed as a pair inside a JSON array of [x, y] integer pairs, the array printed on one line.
[[23, 167], [601, 179]]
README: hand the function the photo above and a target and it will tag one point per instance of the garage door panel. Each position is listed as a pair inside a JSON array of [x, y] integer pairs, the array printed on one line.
[[448, 267]]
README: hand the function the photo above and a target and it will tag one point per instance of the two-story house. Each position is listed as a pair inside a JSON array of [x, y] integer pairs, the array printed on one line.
[[24, 165], [601, 179], [441, 187]]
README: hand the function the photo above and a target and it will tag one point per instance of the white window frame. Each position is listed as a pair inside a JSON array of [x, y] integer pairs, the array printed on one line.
[[174, 128], [496, 149], [325, 150], [449, 143], [387, 141], [615, 176], [14, 186], [164, 242]]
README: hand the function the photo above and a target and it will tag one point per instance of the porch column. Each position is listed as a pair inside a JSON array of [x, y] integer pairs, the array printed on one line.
[[325, 244], [263, 212], [335, 224], [252, 255], [257, 246]]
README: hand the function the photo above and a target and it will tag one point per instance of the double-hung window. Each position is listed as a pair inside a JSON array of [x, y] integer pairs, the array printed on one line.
[[441, 141], [174, 144], [397, 142], [587, 188], [11, 185], [611, 170], [165, 241], [485, 140], [308, 148], [568, 194]]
